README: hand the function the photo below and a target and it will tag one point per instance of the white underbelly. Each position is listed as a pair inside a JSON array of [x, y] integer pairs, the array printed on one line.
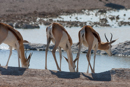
[[10, 39]]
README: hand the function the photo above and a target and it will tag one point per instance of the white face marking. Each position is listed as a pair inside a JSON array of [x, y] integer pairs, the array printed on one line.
[[109, 51], [25, 66], [72, 69]]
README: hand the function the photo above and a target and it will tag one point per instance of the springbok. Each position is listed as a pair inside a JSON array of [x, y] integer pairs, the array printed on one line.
[[91, 39], [58, 35], [14, 39]]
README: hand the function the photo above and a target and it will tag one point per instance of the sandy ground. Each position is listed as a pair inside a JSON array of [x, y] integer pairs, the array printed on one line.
[[8, 8], [11, 10], [20, 77], [26, 11], [58, 6]]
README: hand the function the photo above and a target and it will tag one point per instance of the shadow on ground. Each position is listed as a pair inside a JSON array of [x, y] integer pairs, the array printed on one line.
[[12, 71], [115, 6], [104, 76], [66, 75]]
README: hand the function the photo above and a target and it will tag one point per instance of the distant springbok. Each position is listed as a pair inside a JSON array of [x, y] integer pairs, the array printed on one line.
[[13, 38], [58, 35], [91, 39]]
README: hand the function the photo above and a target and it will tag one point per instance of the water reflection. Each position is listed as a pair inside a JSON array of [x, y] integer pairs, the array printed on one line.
[[103, 63]]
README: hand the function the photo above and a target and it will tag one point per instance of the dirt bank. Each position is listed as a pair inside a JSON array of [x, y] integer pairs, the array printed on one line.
[[20, 77], [26, 11], [58, 6]]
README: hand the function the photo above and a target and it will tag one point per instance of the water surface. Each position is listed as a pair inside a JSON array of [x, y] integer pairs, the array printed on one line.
[[103, 63]]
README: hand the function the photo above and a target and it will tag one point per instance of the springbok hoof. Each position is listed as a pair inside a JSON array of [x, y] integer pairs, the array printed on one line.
[[6, 67], [59, 69]]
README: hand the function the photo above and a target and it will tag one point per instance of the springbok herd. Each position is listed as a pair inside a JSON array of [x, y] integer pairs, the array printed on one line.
[[60, 37]]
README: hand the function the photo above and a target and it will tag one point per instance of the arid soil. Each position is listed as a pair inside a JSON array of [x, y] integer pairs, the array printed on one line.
[[25, 12], [28, 10], [20, 77], [56, 7]]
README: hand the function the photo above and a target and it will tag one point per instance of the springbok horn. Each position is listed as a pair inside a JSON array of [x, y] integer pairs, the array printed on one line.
[[106, 38], [75, 59], [29, 57], [65, 58], [26, 52], [111, 37], [77, 44]]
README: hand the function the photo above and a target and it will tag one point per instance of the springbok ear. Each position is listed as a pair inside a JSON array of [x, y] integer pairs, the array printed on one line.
[[77, 44], [65, 58], [75, 59], [112, 41], [25, 41], [29, 57]]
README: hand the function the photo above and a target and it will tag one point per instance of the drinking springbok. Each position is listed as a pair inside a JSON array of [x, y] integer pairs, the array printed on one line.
[[14, 39], [91, 39], [58, 35]]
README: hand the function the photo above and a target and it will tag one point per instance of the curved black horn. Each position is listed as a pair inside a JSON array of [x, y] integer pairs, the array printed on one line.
[[29, 57], [106, 37], [65, 58], [111, 37], [26, 52]]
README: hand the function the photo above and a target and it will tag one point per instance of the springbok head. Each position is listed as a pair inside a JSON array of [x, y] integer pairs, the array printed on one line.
[[74, 66], [108, 45], [27, 64]]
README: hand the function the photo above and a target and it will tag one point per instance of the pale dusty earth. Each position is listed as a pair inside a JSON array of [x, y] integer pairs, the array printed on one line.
[[12, 10], [21, 77]]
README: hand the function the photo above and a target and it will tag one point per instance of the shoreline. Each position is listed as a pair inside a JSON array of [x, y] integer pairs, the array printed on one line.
[[25, 13], [120, 50], [34, 22]]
